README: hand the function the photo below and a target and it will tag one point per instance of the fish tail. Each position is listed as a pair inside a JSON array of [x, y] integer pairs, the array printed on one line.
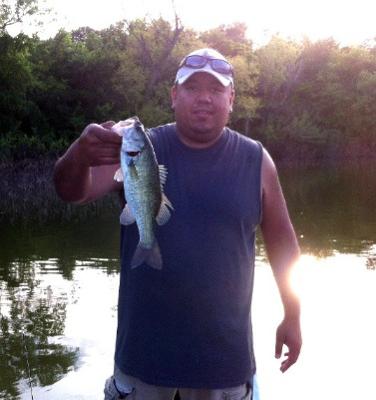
[[151, 257]]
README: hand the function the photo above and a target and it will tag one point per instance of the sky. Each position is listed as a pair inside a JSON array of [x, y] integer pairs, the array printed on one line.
[[347, 21]]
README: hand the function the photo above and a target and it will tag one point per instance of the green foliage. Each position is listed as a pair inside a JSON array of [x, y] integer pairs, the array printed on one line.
[[316, 93], [277, 63], [17, 146], [246, 77], [286, 92], [16, 11], [72, 82], [15, 80], [229, 40]]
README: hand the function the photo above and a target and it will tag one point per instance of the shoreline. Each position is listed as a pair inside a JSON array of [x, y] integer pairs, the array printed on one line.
[[27, 194], [308, 155]]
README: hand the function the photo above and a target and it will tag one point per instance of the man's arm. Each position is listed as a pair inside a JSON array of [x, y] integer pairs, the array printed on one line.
[[283, 251], [85, 172]]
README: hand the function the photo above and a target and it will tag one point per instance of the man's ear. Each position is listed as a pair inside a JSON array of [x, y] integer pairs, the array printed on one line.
[[232, 99], [173, 96]]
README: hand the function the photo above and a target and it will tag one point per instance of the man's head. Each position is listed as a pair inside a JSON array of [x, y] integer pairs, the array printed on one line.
[[205, 60], [202, 97]]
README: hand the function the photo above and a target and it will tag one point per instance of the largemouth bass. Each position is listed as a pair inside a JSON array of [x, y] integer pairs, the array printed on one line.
[[143, 180]]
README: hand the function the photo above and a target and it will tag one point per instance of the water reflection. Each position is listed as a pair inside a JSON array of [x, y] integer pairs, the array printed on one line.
[[339, 329], [30, 314], [59, 246], [333, 208], [59, 282], [36, 290]]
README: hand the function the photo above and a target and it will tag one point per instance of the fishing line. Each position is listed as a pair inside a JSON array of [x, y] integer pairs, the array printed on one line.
[[28, 366]]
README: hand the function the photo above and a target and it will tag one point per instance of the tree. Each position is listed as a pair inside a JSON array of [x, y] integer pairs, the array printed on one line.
[[15, 81], [143, 79], [229, 40], [74, 82], [15, 11], [246, 103], [155, 44], [279, 73]]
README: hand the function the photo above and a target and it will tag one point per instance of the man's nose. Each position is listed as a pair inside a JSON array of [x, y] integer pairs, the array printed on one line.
[[204, 96]]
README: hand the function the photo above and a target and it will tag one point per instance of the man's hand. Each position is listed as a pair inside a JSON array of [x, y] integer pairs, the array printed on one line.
[[86, 171], [99, 145], [288, 334]]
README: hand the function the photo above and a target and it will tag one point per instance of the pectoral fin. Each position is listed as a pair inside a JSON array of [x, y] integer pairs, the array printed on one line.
[[164, 213], [119, 177]]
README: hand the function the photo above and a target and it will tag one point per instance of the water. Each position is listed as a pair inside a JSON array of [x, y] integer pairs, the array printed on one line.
[[59, 284]]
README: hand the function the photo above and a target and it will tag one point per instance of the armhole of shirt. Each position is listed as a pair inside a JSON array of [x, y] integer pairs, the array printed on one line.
[[261, 155]]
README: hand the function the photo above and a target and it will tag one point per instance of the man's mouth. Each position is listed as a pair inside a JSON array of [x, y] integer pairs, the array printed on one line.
[[202, 112]]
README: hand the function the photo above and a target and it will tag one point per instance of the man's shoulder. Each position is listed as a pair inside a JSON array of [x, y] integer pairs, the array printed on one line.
[[162, 138], [160, 130], [244, 141]]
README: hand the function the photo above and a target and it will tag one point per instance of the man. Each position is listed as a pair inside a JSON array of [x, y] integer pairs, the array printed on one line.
[[187, 327]]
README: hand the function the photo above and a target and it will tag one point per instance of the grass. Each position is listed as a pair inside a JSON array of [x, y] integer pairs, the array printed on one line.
[[27, 195]]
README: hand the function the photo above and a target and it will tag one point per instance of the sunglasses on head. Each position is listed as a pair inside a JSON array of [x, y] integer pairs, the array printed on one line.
[[196, 62]]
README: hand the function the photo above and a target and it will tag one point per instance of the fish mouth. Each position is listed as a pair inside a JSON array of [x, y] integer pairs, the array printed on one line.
[[133, 153]]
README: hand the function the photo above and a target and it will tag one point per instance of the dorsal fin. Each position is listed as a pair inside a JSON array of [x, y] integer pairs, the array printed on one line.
[[162, 174]]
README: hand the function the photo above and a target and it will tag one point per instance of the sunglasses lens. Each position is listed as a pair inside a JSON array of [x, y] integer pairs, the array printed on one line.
[[221, 66], [195, 61]]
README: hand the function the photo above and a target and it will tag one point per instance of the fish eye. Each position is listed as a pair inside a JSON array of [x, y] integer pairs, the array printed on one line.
[[133, 153]]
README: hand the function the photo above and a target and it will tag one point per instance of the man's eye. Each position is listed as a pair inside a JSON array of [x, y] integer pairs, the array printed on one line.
[[216, 89]]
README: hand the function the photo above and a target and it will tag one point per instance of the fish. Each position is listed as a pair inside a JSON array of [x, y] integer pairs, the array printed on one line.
[[143, 180]]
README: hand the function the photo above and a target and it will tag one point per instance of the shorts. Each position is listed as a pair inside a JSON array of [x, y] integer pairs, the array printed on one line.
[[121, 386]]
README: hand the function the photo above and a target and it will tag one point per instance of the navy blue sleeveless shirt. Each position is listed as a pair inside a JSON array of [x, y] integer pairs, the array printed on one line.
[[189, 324]]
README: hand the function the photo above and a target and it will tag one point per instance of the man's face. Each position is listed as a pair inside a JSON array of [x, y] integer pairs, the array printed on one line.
[[202, 106]]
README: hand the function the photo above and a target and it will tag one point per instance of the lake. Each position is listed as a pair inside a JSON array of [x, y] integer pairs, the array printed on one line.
[[59, 284]]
